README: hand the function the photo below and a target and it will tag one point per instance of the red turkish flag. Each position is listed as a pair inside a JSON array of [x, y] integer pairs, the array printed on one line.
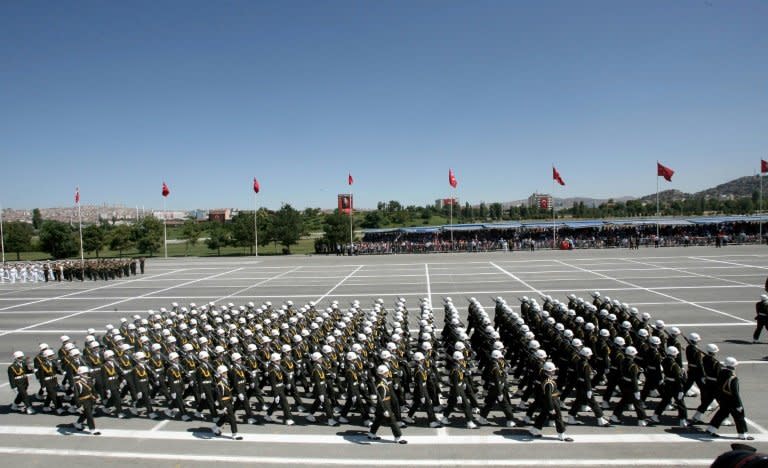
[[166, 191], [763, 166], [452, 179], [256, 186], [350, 180], [664, 171], [544, 203], [556, 176], [77, 195]]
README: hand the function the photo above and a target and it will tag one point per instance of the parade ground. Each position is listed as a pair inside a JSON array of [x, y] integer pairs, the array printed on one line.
[[707, 290]]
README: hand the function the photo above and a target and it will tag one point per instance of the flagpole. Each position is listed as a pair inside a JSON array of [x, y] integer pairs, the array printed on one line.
[[657, 202], [80, 228], [165, 230], [760, 206], [2, 236], [351, 224], [554, 226], [255, 224], [450, 222]]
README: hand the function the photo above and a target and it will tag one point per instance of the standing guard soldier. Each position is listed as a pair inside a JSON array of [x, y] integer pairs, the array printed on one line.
[[17, 377]]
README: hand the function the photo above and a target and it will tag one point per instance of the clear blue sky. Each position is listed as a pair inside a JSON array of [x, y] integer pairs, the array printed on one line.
[[119, 96]]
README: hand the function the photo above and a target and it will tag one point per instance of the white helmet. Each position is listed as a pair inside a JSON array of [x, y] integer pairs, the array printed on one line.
[[496, 354], [203, 354], [385, 354], [18, 355], [631, 351], [712, 348], [549, 367], [221, 370], [586, 352], [417, 356], [275, 357], [139, 355], [694, 337], [672, 351], [382, 369], [83, 370], [731, 362], [351, 356], [316, 356], [458, 355], [173, 355], [618, 341], [236, 356]]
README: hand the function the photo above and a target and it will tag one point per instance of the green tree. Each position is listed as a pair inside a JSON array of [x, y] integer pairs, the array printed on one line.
[[94, 239], [57, 239], [120, 238], [190, 233], [18, 237], [218, 237], [37, 219], [495, 210], [288, 226], [148, 235], [336, 230], [371, 220], [242, 230]]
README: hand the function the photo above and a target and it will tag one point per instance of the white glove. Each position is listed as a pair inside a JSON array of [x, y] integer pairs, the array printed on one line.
[[459, 400], [589, 394], [139, 395], [241, 397], [637, 395], [109, 394], [216, 403], [740, 409], [322, 398], [202, 395], [173, 395], [386, 414], [680, 396], [277, 400]]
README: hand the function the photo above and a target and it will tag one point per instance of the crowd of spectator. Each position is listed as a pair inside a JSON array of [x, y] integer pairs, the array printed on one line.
[[608, 236]]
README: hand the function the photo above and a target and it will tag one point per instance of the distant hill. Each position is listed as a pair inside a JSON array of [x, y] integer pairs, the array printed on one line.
[[736, 188]]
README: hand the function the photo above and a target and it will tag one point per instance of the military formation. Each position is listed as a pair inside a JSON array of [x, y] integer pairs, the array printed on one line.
[[104, 269], [253, 364]]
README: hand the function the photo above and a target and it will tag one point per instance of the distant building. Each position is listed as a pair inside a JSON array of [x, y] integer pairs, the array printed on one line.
[[540, 200], [441, 202], [220, 215]]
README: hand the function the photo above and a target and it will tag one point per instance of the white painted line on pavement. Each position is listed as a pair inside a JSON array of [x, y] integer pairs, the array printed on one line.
[[516, 279], [159, 425], [655, 291], [351, 461], [359, 267], [757, 426], [451, 439], [111, 304], [429, 286], [257, 284], [681, 270], [729, 263]]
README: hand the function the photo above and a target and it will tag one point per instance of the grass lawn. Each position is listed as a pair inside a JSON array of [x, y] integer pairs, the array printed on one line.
[[305, 246]]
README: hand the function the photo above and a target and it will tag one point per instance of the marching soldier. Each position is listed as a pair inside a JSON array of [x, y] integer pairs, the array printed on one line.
[[320, 390], [674, 380], [498, 391], [175, 385], [548, 398], [46, 374], [630, 388], [730, 401], [85, 396], [224, 403], [238, 378], [461, 392], [584, 394], [384, 411], [761, 316], [17, 377], [277, 382]]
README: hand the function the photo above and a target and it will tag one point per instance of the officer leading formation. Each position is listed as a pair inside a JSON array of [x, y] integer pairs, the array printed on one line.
[[248, 364]]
